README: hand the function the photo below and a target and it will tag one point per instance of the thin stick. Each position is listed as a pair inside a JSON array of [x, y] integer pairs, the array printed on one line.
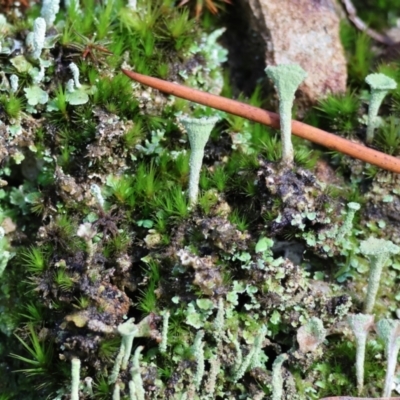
[[269, 118], [362, 26]]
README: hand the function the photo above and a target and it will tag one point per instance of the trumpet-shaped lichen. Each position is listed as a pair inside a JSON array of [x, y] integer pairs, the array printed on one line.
[[380, 85], [378, 251], [360, 324], [287, 79], [198, 131], [389, 331]]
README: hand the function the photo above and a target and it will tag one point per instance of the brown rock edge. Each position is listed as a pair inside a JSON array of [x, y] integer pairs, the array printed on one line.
[[304, 32]]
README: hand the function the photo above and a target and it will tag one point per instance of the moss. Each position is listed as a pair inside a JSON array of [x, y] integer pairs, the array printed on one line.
[[96, 225]]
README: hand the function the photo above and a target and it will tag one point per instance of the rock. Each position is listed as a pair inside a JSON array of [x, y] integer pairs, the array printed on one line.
[[304, 32]]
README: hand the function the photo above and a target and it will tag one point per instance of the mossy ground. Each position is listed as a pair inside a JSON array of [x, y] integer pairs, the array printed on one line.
[[98, 226]]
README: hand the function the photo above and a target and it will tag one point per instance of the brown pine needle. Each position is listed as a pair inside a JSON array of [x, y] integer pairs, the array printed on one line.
[[269, 118]]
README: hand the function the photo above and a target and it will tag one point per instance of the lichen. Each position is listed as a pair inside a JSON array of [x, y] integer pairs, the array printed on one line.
[[104, 260]]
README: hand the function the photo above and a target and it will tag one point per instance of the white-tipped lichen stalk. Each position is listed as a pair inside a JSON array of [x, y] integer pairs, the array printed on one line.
[[128, 330], [198, 352], [286, 78], [164, 340], [389, 331], [89, 385], [75, 73], [378, 251], [14, 83], [219, 323], [117, 365], [35, 40], [347, 226], [215, 365], [360, 324], [136, 389], [277, 379], [75, 379], [116, 392], [49, 11], [380, 85], [256, 361], [198, 131]]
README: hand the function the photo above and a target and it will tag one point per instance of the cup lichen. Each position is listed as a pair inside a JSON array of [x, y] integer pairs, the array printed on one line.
[[360, 324], [389, 332], [286, 78], [35, 40], [237, 298], [378, 251], [75, 373], [345, 229], [380, 85], [277, 379], [198, 131]]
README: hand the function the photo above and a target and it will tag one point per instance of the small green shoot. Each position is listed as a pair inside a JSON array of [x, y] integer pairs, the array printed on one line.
[[360, 59], [148, 43], [340, 112], [103, 390], [12, 105], [305, 157], [146, 182], [238, 220], [63, 280], [82, 303], [208, 200], [108, 348], [123, 191], [181, 168], [33, 259], [105, 19], [388, 137], [220, 178], [179, 29], [134, 135], [60, 102], [34, 313], [174, 203], [41, 355], [148, 298], [117, 244]]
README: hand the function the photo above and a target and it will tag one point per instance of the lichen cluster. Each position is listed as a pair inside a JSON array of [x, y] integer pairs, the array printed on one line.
[[115, 281]]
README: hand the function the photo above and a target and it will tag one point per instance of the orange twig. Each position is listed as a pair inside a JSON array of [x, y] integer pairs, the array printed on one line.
[[269, 118]]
